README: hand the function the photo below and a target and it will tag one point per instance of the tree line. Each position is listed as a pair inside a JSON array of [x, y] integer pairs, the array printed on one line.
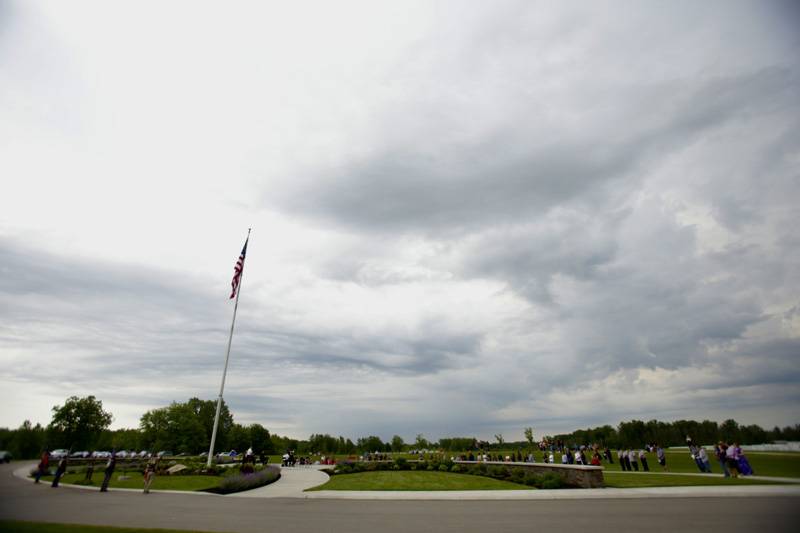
[[185, 427]]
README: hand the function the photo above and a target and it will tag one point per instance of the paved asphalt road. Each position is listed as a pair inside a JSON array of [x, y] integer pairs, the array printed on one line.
[[22, 500]]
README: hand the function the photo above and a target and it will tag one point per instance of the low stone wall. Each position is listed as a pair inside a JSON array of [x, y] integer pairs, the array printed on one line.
[[585, 477]]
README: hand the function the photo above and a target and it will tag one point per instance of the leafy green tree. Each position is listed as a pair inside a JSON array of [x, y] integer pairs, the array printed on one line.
[[421, 442], [180, 427], [371, 444], [78, 423], [529, 436], [205, 411], [238, 438], [397, 444], [457, 444], [730, 431], [27, 441], [260, 439], [155, 428], [499, 438]]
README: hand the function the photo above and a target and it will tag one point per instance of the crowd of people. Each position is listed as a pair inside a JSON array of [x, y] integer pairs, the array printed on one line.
[[731, 458]]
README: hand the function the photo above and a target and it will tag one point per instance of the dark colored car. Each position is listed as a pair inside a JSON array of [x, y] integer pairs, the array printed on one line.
[[5, 457]]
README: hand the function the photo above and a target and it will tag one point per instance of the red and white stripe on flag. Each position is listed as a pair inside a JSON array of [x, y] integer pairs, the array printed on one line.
[[237, 271]]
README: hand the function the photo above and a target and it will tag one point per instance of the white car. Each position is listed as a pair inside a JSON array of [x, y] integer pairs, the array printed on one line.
[[101, 454], [58, 454]]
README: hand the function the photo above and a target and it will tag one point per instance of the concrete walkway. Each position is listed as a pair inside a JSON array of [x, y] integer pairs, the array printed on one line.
[[294, 480]]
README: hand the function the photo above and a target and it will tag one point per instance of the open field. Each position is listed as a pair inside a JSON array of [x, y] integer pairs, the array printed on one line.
[[13, 526], [136, 481], [412, 480], [763, 463]]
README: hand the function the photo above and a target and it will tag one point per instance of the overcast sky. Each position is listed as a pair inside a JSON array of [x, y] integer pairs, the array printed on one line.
[[468, 217]]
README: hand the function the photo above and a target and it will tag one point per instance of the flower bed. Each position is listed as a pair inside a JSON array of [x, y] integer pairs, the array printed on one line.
[[240, 482]]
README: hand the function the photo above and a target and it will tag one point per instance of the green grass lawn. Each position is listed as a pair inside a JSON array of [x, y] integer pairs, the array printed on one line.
[[13, 526], [763, 463], [412, 480], [624, 480], [779, 464], [136, 481]]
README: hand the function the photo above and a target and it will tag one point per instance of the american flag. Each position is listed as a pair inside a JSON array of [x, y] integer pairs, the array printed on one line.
[[237, 270]]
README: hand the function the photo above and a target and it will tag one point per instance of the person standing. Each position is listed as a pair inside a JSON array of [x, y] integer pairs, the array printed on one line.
[[732, 460], [720, 451], [110, 466], [694, 451], [62, 468], [90, 470], [662, 457], [150, 472], [643, 460], [703, 457], [44, 465]]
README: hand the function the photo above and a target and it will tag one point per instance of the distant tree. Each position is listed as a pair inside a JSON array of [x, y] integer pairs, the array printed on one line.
[[371, 444], [397, 444], [260, 439], [499, 438], [457, 444], [28, 441], [421, 442], [126, 439], [205, 411], [529, 436], [238, 438], [78, 423], [729, 431], [180, 427]]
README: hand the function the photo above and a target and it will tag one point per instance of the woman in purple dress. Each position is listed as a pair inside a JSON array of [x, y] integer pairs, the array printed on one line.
[[744, 464]]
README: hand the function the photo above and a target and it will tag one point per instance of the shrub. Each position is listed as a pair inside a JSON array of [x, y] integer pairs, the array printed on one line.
[[532, 480], [240, 482], [517, 475], [551, 481], [401, 463], [443, 468], [458, 469], [430, 467], [498, 472], [343, 468]]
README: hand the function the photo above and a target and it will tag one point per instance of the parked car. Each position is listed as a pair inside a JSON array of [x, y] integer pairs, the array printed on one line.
[[79, 455], [101, 454], [164, 453], [5, 457], [144, 453], [59, 453]]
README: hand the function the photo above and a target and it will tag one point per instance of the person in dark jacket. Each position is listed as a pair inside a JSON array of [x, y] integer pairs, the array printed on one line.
[[110, 466], [62, 468]]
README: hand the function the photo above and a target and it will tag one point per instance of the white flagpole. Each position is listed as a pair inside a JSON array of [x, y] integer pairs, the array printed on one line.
[[227, 357]]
